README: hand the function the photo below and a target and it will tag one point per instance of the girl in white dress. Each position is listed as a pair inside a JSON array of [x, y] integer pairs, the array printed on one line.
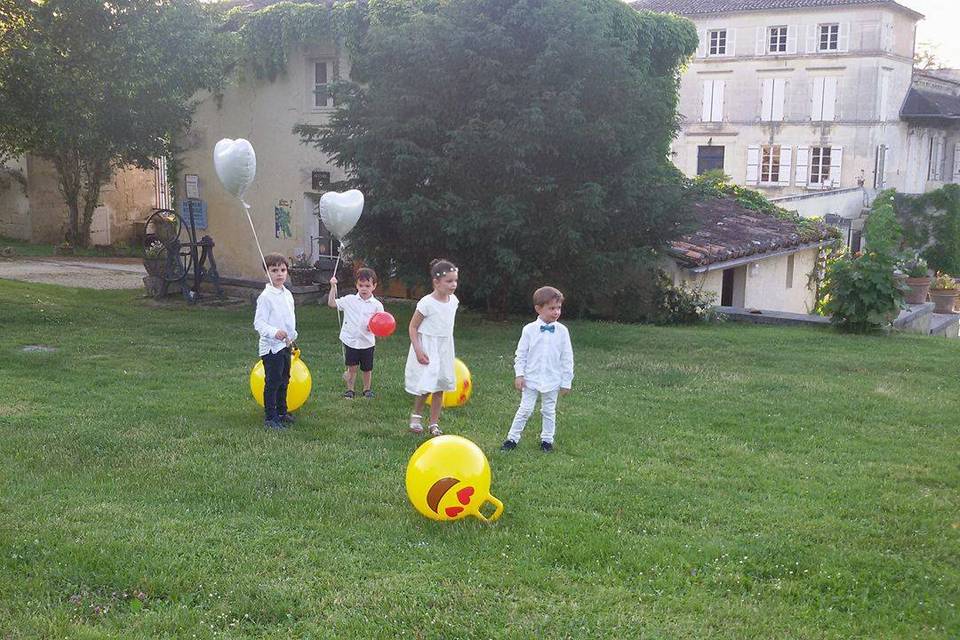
[[429, 368]]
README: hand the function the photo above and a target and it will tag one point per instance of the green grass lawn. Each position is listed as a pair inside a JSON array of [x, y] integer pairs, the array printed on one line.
[[24, 248], [710, 482]]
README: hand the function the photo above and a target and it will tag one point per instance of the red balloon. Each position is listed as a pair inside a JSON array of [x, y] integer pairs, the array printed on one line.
[[382, 324]]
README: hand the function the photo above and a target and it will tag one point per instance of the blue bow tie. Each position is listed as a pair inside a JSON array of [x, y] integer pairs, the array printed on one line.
[[547, 327]]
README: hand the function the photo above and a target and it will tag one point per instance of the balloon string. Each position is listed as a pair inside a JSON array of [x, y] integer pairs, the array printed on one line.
[[263, 260], [339, 321]]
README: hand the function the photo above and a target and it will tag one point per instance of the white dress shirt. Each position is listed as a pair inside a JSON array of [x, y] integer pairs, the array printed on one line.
[[544, 358], [274, 312], [355, 332]]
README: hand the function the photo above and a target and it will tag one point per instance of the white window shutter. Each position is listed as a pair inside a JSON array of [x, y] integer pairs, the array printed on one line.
[[829, 99], [753, 165], [702, 44], [816, 100], [883, 97], [844, 39], [717, 108], [836, 166], [731, 42], [792, 33], [761, 40], [707, 100], [786, 166], [956, 162], [779, 95], [766, 98], [811, 38], [803, 166]]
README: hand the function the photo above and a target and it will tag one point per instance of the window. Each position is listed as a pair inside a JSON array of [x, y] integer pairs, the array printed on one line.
[[829, 37], [323, 75], [772, 94], [709, 158], [820, 166], [770, 163], [718, 42], [712, 101], [790, 271], [777, 37]]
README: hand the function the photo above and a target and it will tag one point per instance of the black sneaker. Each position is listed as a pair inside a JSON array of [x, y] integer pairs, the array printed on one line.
[[368, 394], [349, 394], [274, 425], [546, 447], [508, 445], [286, 418]]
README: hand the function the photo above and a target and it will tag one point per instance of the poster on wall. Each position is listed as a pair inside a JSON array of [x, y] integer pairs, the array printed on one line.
[[195, 209], [281, 214], [193, 186]]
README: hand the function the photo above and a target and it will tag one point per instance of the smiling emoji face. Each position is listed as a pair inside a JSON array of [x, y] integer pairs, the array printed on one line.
[[448, 478], [446, 498]]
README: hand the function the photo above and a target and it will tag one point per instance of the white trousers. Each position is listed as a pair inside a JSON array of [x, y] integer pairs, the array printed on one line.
[[548, 413]]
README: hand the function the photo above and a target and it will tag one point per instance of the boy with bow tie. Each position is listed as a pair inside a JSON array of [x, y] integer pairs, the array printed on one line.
[[543, 366]]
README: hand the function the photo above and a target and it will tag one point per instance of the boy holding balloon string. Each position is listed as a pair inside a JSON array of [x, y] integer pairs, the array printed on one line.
[[355, 334], [276, 323]]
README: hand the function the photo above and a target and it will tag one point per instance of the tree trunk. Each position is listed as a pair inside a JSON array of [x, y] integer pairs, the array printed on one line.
[[95, 173], [67, 164], [78, 175]]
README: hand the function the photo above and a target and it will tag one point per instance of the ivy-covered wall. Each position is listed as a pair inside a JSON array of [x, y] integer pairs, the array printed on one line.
[[931, 225]]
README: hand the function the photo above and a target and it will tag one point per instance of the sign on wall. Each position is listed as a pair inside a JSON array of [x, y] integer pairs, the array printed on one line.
[[281, 214], [197, 209], [193, 186]]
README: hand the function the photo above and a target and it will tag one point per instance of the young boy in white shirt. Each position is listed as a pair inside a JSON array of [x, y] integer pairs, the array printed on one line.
[[276, 322], [543, 366], [358, 341]]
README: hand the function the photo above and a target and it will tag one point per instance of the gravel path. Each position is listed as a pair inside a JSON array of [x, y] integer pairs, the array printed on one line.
[[86, 273]]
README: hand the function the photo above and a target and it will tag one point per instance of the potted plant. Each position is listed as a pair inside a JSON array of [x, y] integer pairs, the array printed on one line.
[[918, 280], [154, 257], [301, 271], [944, 292]]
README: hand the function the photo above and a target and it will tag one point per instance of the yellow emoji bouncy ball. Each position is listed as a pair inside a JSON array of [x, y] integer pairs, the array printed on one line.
[[298, 389], [464, 390], [448, 478]]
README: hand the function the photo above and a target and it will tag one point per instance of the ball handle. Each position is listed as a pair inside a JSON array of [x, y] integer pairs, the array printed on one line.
[[498, 510]]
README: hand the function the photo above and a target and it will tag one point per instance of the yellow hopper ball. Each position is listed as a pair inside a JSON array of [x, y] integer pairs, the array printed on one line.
[[464, 390], [448, 478], [298, 390]]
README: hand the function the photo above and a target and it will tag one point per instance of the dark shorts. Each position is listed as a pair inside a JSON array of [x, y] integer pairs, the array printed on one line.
[[362, 357]]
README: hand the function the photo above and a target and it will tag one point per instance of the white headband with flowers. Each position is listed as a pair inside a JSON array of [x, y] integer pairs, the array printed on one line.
[[440, 274]]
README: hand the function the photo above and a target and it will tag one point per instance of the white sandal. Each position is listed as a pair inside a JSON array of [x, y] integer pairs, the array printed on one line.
[[416, 423], [435, 430]]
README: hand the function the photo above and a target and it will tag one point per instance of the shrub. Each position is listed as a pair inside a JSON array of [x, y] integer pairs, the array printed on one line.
[[861, 293], [681, 304]]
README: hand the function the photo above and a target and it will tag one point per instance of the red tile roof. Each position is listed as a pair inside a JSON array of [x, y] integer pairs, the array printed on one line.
[[726, 230]]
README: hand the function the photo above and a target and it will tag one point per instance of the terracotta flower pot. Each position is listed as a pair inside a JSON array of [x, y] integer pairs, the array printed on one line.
[[943, 300], [918, 290]]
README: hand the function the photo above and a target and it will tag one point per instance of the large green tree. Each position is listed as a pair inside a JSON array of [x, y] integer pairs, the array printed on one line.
[[93, 85], [527, 140]]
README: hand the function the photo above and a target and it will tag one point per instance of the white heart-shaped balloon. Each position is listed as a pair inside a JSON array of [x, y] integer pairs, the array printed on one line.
[[339, 212], [236, 164]]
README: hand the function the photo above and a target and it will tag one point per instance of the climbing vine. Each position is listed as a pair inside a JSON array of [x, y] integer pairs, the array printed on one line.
[[931, 225], [264, 39]]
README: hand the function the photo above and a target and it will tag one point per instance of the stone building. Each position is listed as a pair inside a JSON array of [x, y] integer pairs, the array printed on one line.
[[800, 96]]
